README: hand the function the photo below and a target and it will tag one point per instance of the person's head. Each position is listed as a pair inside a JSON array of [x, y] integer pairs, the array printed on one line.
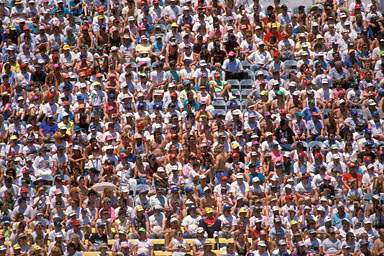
[[208, 246], [346, 249], [331, 232], [142, 233], [364, 245]]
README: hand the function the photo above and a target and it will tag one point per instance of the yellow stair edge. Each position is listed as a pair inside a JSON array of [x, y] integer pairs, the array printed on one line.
[[157, 253], [189, 241], [94, 253]]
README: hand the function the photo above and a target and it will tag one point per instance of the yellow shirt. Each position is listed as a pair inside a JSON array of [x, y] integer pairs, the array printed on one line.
[[15, 67], [143, 48], [69, 127]]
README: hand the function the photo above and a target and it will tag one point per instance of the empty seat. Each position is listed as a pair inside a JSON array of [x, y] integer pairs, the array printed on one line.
[[290, 64], [246, 64], [244, 104], [236, 93], [249, 75], [246, 84], [235, 84], [314, 143], [245, 93], [220, 104]]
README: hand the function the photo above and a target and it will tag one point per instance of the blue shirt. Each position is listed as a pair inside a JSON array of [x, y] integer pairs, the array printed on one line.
[[348, 62], [49, 129], [152, 105], [157, 47], [194, 104], [78, 11], [258, 175], [324, 64], [308, 113], [71, 116], [65, 11], [336, 219], [315, 127], [234, 65]]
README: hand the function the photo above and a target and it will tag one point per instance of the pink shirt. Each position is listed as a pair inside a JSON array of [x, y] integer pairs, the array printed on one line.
[[276, 157]]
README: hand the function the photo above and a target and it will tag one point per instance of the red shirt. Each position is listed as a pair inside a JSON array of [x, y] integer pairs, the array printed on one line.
[[210, 221], [348, 176], [278, 36]]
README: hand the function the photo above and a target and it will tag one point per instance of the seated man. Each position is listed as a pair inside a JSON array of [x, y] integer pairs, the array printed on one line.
[[210, 223], [219, 86], [233, 67]]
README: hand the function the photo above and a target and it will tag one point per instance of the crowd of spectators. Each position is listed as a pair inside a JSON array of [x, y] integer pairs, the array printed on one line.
[[191, 127]]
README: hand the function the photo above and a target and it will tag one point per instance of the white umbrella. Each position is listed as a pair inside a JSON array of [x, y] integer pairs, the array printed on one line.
[[99, 187]]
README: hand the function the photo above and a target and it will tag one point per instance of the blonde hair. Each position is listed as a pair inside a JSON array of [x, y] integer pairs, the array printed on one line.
[[75, 236], [105, 200], [56, 251]]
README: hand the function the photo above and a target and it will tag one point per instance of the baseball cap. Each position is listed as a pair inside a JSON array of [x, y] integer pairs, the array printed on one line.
[[139, 208], [208, 210]]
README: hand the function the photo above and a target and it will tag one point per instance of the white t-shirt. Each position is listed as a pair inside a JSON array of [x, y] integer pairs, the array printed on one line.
[[143, 247], [227, 222], [191, 222]]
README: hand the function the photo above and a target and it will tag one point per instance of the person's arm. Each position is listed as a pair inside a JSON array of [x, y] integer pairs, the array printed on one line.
[[299, 195], [249, 60], [41, 133], [270, 70], [151, 251], [187, 248], [321, 250], [346, 185], [308, 131], [322, 133], [186, 229], [90, 243], [170, 245]]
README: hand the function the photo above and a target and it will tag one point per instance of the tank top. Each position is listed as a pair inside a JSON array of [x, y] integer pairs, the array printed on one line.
[[179, 244], [157, 47], [122, 225], [17, 94], [190, 57], [200, 244], [6, 89], [201, 191], [115, 42], [172, 57], [140, 149], [242, 251], [204, 98]]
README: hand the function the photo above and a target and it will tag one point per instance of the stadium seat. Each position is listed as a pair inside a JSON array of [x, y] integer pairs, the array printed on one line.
[[236, 93], [244, 104], [235, 84], [290, 64], [214, 112], [246, 64], [314, 143], [250, 75], [246, 84], [220, 104], [244, 94]]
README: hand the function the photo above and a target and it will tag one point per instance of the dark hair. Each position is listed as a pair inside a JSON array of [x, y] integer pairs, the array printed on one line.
[[71, 245]]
